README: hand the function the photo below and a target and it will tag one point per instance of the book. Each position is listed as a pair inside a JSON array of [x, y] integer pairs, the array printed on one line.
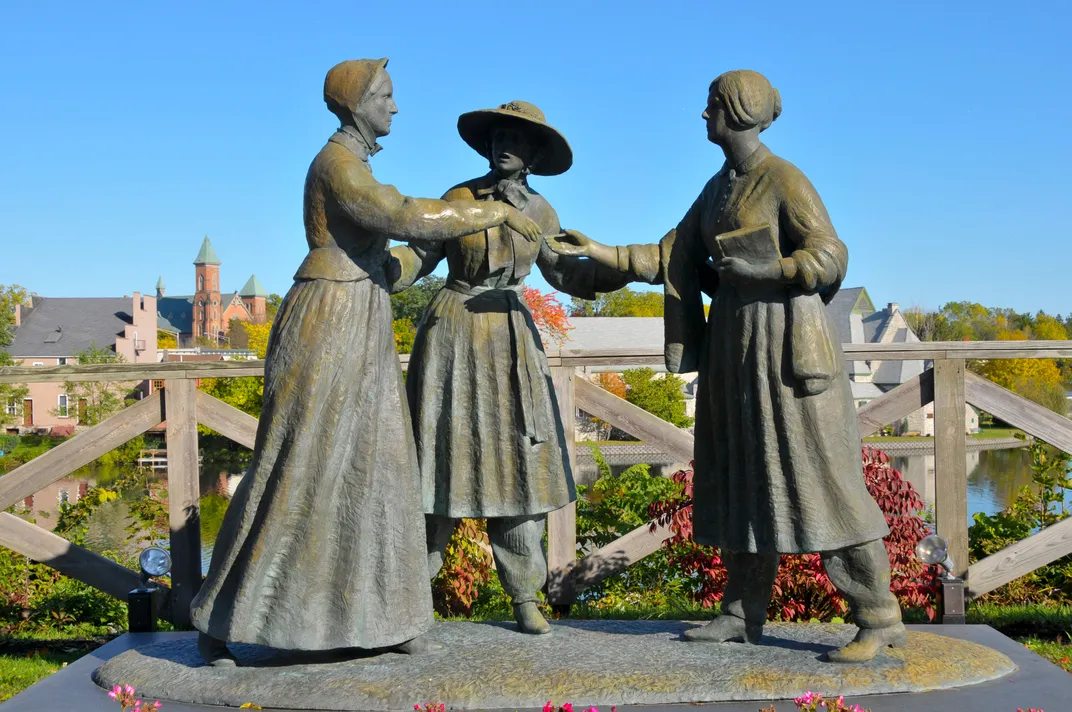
[[755, 245]]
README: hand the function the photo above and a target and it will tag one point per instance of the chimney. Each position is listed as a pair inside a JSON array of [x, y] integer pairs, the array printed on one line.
[[892, 307], [18, 315]]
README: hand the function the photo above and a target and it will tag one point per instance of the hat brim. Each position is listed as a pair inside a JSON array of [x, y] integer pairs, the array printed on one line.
[[557, 156]]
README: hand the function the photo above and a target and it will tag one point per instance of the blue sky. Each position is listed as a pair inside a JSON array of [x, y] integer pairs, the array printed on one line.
[[933, 131]]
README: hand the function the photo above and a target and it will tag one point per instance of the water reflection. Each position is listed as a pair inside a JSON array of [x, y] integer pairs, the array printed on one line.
[[994, 477], [106, 528]]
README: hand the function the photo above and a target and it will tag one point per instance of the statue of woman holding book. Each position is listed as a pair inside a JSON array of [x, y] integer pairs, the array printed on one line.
[[777, 459]]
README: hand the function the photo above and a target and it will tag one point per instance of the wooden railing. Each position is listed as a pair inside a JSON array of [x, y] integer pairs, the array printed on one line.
[[948, 385]]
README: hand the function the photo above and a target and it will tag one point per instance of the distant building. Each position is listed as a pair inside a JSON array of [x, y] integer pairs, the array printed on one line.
[[853, 315], [858, 322], [52, 331], [208, 312]]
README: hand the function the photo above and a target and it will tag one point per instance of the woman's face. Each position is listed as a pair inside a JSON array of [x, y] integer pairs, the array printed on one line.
[[715, 116], [511, 149], [379, 106]]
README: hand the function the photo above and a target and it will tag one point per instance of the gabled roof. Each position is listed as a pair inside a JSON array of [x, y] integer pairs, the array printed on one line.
[[207, 255], [614, 332], [253, 288], [175, 314], [58, 327], [845, 303]]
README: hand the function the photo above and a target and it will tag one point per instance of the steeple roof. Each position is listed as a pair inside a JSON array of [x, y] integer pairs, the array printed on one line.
[[160, 283], [207, 255], [253, 288]]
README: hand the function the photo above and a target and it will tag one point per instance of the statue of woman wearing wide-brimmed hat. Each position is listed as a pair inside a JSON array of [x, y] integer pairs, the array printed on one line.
[[323, 545], [489, 437], [778, 466]]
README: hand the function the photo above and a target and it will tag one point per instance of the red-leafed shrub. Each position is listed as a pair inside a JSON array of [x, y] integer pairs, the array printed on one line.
[[802, 590]]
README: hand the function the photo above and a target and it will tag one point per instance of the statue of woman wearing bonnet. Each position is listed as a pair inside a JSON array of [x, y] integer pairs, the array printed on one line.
[[490, 441], [777, 461], [323, 545]]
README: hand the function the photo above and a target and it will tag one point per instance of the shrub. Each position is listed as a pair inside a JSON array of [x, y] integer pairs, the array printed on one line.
[[802, 590]]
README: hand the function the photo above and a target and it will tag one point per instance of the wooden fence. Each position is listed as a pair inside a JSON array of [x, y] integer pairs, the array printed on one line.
[[948, 385]]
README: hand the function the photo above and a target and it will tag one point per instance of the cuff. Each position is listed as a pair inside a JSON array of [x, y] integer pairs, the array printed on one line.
[[623, 258]]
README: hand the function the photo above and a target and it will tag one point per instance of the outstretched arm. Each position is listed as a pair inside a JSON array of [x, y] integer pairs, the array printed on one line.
[[380, 208]]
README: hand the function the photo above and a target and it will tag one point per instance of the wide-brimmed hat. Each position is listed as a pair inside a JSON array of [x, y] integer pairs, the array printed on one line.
[[556, 156]]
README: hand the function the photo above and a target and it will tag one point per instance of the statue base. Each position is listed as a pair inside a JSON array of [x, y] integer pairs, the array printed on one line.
[[601, 663]]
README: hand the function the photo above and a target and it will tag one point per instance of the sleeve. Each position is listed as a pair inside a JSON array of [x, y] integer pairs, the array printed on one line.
[[684, 321], [819, 261], [381, 209], [411, 262]]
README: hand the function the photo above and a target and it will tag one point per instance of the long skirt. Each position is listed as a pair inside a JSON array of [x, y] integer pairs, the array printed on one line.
[[489, 436], [323, 545], [776, 470]]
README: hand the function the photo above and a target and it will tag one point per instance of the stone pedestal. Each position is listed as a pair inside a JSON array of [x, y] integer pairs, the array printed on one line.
[[602, 663]]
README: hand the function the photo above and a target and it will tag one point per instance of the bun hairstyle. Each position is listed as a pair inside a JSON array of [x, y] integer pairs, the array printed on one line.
[[749, 99]]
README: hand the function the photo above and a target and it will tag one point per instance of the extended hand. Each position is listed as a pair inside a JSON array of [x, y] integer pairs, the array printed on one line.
[[571, 244], [736, 270], [518, 222]]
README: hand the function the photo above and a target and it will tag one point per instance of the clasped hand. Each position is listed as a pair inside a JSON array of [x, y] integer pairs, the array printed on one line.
[[571, 243]]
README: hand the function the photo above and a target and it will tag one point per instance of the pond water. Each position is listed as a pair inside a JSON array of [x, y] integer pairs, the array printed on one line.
[[994, 478]]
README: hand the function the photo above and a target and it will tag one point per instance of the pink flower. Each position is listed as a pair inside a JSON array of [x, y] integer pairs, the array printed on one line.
[[115, 693], [567, 707], [549, 707], [129, 690]]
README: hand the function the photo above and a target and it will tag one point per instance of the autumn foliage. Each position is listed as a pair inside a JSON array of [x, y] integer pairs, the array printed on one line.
[[802, 590], [548, 313]]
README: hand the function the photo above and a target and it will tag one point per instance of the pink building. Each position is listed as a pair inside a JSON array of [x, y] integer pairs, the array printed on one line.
[[52, 331]]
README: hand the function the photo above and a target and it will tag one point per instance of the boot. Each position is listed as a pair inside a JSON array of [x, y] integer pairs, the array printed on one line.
[[530, 620], [214, 651], [725, 628], [868, 643]]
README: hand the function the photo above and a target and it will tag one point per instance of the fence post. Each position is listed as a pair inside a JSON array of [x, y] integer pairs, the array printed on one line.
[[184, 495], [951, 461], [562, 523]]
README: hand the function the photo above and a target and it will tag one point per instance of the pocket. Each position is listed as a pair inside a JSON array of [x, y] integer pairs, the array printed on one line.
[[811, 345]]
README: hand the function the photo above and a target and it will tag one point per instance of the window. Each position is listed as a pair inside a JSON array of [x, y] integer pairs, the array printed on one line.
[[200, 282], [61, 361], [12, 407], [64, 496], [61, 408]]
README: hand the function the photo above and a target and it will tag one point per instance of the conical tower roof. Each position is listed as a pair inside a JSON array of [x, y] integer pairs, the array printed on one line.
[[160, 283], [207, 255], [253, 288]]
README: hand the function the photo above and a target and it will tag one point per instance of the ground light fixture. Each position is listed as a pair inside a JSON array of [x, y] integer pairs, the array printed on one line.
[[933, 550], [141, 604]]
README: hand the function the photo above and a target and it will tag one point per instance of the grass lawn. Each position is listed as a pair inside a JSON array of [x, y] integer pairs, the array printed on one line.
[[21, 668], [984, 434]]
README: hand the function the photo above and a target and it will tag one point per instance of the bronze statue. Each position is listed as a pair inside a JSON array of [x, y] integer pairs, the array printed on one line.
[[489, 437], [777, 466], [323, 545]]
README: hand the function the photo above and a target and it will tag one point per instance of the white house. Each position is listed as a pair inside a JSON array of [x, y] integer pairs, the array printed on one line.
[[858, 322]]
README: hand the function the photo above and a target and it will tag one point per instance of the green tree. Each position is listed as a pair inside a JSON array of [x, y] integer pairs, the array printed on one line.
[[624, 302], [10, 295], [405, 334], [237, 335], [95, 401], [410, 304], [11, 395], [661, 396], [271, 306]]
